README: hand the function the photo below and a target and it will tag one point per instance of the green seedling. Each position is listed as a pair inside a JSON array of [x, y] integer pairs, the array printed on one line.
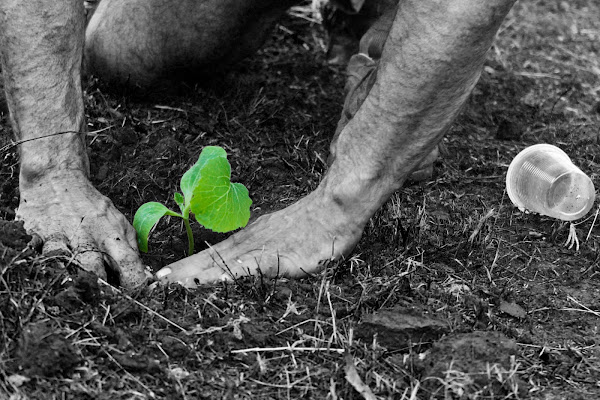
[[208, 193]]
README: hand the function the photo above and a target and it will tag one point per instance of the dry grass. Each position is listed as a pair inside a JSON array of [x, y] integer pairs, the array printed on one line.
[[452, 249]]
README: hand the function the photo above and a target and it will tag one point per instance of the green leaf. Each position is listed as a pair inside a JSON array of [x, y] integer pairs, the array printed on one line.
[[190, 179], [179, 200], [218, 204], [144, 220]]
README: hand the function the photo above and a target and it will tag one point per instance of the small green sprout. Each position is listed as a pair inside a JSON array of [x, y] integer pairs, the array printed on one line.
[[208, 193]]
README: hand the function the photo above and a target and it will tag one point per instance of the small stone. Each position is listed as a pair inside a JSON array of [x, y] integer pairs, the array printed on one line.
[[513, 309]]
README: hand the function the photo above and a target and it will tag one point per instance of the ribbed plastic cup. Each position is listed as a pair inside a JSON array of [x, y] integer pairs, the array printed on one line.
[[542, 179]]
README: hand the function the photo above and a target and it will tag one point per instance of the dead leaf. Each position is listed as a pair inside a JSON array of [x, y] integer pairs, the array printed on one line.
[[354, 379], [17, 380], [513, 309]]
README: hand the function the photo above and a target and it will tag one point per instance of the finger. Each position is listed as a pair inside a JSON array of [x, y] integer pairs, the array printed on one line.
[[125, 260], [422, 174], [91, 260], [56, 245], [433, 156], [36, 242], [168, 275], [131, 237], [192, 271], [430, 158]]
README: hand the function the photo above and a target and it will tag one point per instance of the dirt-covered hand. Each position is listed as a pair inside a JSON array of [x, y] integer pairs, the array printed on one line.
[[293, 242], [69, 214]]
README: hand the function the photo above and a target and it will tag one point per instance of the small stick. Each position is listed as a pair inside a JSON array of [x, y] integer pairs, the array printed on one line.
[[145, 307], [582, 309], [593, 223], [288, 348]]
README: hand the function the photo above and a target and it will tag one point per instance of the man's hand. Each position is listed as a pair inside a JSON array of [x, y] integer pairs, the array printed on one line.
[[69, 214]]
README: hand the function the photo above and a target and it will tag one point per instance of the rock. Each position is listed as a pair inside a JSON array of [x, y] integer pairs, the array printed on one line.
[[175, 347], [401, 328], [137, 362], [513, 309]]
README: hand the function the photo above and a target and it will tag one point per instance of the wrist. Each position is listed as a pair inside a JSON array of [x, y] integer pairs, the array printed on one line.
[[38, 166]]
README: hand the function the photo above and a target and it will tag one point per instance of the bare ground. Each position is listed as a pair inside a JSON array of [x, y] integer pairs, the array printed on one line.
[[451, 294]]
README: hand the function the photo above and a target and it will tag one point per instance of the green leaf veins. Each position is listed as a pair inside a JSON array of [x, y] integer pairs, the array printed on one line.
[[144, 220], [217, 203], [208, 193]]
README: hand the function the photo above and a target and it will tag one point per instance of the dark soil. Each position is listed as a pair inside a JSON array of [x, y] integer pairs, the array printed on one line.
[[452, 293]]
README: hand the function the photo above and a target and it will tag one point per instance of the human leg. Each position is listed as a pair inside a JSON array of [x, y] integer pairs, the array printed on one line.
[[139, 42]]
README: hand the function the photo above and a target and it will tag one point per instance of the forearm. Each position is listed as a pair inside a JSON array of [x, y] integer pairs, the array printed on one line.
[[41, 46]]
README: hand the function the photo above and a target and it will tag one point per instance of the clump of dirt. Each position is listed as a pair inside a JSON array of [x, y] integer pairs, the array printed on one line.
[[43, 350], [13, 240], [82, 288], [473, 365]]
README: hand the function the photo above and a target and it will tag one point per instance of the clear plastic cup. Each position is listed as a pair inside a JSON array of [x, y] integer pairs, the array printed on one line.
[[543, 179]]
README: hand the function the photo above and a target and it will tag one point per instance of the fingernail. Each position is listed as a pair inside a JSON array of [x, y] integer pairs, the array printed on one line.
[[163, 272]]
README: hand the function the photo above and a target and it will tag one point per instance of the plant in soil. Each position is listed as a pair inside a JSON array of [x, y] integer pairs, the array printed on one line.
[[208, 193]]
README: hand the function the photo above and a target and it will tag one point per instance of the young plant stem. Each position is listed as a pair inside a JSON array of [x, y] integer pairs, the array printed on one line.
[[188, 228]]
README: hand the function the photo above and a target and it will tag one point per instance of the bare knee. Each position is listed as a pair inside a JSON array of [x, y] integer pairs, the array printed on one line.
[[141, 41]]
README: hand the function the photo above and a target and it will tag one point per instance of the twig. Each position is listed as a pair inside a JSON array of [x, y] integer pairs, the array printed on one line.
[[593, 223], [332, 310], [306, 321], [480, 224], [582, 309], [161, 107], [543, 347], [287, 386], [287, 348], [18, 142], [145, 307], [354, 379], [538, 75]]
